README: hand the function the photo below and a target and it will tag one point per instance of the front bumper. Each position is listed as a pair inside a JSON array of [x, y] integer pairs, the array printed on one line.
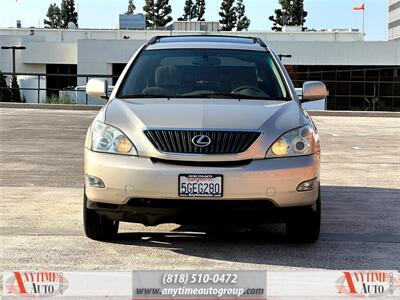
[[272, 180]]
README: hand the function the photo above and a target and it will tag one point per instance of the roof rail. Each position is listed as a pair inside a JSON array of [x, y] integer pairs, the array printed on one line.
[[153, 40], [256, 40], [259, 41]]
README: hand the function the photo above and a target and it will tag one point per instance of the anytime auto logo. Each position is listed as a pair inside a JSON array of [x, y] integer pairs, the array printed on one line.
[[367, 284], [36, 283]]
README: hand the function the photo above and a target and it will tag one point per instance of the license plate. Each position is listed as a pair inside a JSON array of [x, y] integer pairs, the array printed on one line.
[[195, 185]]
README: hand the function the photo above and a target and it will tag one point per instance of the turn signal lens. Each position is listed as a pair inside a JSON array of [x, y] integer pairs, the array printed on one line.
[[280, 147], [122, 144]]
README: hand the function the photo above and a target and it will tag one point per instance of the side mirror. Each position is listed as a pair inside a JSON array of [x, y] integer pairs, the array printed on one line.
[[313, 90], [97, 88]]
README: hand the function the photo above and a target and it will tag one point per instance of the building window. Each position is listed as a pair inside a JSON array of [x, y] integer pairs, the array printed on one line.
[[354, 87], [60, 77], [117, 71]]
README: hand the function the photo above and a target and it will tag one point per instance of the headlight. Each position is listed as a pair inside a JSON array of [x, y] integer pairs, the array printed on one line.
[[300, 141], [109, 139]]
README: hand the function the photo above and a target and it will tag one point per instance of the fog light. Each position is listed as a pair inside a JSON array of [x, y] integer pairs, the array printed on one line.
[[307, 185], [94, 181]]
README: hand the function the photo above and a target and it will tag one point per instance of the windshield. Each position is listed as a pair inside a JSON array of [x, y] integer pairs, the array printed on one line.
[[204, 73]]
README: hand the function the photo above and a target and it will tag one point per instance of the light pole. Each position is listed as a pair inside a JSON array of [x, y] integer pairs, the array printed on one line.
[[284, 56], [13, 48], [363, 22]]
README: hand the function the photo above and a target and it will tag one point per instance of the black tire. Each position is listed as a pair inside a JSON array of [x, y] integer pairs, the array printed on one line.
[[98, 227], [305, 227]]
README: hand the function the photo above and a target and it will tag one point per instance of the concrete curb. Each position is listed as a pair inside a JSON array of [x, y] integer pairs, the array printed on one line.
[[49, 106], [367, 114], [332, 113]]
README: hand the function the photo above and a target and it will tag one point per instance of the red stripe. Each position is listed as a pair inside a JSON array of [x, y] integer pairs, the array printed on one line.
[[20, 282], [209, 298], [350, 282]]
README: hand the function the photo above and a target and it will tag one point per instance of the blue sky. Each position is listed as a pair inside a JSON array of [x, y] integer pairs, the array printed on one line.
[[104, 14]]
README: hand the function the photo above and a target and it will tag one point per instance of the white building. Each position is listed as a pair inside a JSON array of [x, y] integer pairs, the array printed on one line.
[[353, 69], [394, 20]]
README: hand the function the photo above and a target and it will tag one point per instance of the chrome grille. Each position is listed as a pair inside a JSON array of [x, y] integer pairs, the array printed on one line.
[[222, 142]]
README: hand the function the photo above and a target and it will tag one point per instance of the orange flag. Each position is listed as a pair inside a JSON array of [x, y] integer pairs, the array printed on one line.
[[359, 7]]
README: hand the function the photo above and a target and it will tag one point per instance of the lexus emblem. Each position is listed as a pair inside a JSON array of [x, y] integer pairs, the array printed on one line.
[[201, 141]]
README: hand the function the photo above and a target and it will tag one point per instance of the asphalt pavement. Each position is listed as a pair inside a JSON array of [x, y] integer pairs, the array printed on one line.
[[41, 184]]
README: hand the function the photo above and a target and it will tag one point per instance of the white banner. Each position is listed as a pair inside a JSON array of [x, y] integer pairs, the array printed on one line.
[[151, 284]]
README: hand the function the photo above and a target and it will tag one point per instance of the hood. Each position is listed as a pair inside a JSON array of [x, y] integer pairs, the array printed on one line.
[[273, 118]]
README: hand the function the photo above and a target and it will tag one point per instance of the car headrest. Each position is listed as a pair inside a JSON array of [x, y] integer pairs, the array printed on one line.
[[168, 76], [244, 77]]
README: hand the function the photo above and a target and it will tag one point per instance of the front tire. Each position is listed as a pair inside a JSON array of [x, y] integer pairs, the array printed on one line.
[[305, 227], [98, 227]]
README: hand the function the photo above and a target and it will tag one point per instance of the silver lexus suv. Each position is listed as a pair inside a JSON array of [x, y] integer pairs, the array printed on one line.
[[203, 130]]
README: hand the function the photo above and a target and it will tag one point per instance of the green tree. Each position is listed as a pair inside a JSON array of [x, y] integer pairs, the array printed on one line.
[[5, 93], [200, 9], [291, 13], [243, 22], [131, 8], [194, 10], [68, 13], [299, 16], [53, 17], [149, 9], [189, 11], [16, 95], [157, 13], [228, 15]]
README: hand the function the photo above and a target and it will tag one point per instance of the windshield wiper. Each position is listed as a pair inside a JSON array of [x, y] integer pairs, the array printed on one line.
[[203, 95], [138, 96], [230, 95]]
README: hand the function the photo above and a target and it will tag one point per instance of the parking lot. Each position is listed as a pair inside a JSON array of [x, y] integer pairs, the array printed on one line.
[[41, 182]]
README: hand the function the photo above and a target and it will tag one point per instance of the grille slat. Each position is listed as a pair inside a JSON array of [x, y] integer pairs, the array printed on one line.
[[231, 144], [246, 140], [175, 141], [237, 143], [181, 146], [222, 142], [188, 140], [159, 139]]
